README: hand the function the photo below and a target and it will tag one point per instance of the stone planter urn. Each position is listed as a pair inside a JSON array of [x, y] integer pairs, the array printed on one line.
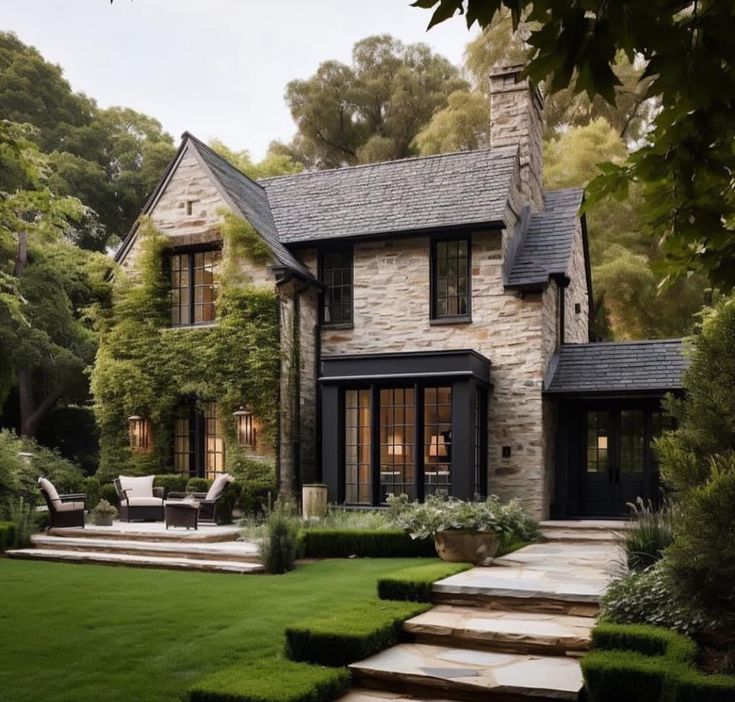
[[102, 520], [457, 546]]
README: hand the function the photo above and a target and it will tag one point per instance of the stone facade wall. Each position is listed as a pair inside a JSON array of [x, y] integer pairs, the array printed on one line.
[[392, 314], [308, 331]]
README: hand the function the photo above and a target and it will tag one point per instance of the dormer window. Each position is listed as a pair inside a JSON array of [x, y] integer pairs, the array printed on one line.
[[193, 287], [450, 280]]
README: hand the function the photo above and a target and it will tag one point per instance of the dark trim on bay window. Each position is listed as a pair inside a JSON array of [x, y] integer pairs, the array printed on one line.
[[336, 273], [451, 285]]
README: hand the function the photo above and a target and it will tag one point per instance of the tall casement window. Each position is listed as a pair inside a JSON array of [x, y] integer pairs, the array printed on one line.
[[198, 446], [450, 279], [398, 440], [336, 274], [193, 287]]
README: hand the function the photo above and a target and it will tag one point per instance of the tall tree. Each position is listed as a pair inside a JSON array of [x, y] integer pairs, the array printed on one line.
[[685, 168], [371, 110], [47, 286], [274, 164]]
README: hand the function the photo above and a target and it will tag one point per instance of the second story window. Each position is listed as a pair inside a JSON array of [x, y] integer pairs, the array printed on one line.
[[336, 274], [193, 287], [450, 279]]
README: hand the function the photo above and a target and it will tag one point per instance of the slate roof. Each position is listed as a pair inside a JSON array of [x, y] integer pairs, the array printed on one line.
[[546, 246], [618, 368], [468, 187], [250, 199]]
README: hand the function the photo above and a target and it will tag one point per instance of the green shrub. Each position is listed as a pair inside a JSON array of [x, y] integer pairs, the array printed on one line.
[[171, 482], [649, 535], [257, 496], [613, 676], [7, 535], [648, 640], [415, 583], [109, 493], [22, 516], [92, 488], [198, 485], [693, 686], [278, 548], [650, 597], [272, 680], [365, 543], [350, 633]]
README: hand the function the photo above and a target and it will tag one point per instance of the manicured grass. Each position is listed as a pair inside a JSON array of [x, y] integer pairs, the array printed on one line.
[[83, 633]]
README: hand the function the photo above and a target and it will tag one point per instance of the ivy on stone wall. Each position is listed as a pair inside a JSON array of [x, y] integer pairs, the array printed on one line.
[[146, 367]]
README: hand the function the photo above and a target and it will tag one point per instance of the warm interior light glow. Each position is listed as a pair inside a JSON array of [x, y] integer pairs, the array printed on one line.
[[602, 443], [437, 446], [395, 445]]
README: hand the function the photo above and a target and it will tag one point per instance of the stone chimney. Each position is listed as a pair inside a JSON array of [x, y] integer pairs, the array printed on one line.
[[517, 117]]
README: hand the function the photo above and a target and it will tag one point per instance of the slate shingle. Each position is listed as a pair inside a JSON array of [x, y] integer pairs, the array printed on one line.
[[620, 366], [469, 187], [547, 246]]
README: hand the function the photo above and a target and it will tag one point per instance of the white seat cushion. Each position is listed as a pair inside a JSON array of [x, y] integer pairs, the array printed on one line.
[[218, 486], [68, 506], [145, 502], [137, 487], [49, 489]]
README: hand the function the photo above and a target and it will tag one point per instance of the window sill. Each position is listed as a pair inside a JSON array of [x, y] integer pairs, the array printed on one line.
[[466, 319], [341, 325]]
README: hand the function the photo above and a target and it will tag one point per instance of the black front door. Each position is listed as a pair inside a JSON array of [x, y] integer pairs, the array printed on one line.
[[617, 461]]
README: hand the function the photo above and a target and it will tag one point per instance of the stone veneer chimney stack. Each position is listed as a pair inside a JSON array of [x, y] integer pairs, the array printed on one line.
[[517, 117]]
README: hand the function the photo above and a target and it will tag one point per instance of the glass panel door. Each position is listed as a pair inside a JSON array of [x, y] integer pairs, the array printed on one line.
[[214, 442], [629, 478], [437, 440], [358, 445], [397, 427]]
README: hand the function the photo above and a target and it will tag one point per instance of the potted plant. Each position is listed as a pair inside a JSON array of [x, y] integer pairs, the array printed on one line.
[[462, 531], [104, 513]]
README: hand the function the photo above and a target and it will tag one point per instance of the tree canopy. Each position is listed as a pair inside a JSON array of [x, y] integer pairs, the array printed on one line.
[[109, 159], [685, 168]]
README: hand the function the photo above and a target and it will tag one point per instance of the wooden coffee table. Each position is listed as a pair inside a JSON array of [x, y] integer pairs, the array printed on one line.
[[181, 514]]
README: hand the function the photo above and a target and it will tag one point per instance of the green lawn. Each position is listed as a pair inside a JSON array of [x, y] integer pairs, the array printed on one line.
[[78, 633]]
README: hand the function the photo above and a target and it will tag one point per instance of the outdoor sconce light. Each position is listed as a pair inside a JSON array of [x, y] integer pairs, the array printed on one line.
[[244, 426], [140, 433]]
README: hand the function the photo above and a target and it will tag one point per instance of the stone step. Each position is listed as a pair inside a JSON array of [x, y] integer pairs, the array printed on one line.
[[150, 531], [504, 631], [365, 694], [468, 674], [234, 551], [121, 559], [546, 578], [584, 530]]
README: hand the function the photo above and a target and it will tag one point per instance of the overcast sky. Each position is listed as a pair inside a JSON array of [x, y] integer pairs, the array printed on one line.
[[217, 68]]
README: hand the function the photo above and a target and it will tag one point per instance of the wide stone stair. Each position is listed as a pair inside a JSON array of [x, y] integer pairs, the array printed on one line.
[[508, 633], [209, 549]]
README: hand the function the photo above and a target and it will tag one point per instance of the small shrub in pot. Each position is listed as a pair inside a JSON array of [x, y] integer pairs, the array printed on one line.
[[104, 513]]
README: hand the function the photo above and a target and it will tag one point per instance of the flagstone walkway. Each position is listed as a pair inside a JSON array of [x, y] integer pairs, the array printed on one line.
[[513, 631]]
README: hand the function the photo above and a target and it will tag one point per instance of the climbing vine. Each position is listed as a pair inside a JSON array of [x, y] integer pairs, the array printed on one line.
[[145, 367]]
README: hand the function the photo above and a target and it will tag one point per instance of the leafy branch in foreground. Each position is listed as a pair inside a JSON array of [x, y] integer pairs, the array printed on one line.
[[686, 167]]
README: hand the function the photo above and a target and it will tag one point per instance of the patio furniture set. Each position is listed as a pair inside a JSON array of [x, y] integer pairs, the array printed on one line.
[[140, 501]]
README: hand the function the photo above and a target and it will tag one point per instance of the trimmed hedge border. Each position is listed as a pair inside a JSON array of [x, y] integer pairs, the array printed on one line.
[[350, 633], [414, 584], [363, 543], [7, 535], [272, 680], [640, 663]]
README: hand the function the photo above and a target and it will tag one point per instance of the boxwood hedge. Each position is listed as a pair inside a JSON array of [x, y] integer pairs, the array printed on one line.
[[364, 543], [415, 583], [350, 633]]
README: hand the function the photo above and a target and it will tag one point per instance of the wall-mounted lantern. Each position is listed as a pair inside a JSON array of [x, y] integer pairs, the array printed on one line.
[[244, 427], [140, 433]]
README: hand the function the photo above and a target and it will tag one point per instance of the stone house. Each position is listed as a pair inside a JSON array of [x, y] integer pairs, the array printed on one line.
[[437, 311]]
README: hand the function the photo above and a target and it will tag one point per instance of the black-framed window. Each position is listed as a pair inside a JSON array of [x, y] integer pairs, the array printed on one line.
[[193, 287], [450, 279], [336, 274]]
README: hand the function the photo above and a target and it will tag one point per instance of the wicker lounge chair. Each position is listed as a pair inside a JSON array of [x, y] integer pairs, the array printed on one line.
[[139, 500], [63, 510], [207, 501]]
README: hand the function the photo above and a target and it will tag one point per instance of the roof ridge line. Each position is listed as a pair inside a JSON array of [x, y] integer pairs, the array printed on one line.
[[630, 342], [373, 164]]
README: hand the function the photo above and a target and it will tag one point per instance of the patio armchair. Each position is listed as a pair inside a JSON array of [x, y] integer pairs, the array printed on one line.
[[207, 501], [63, 510], [139, 500]]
